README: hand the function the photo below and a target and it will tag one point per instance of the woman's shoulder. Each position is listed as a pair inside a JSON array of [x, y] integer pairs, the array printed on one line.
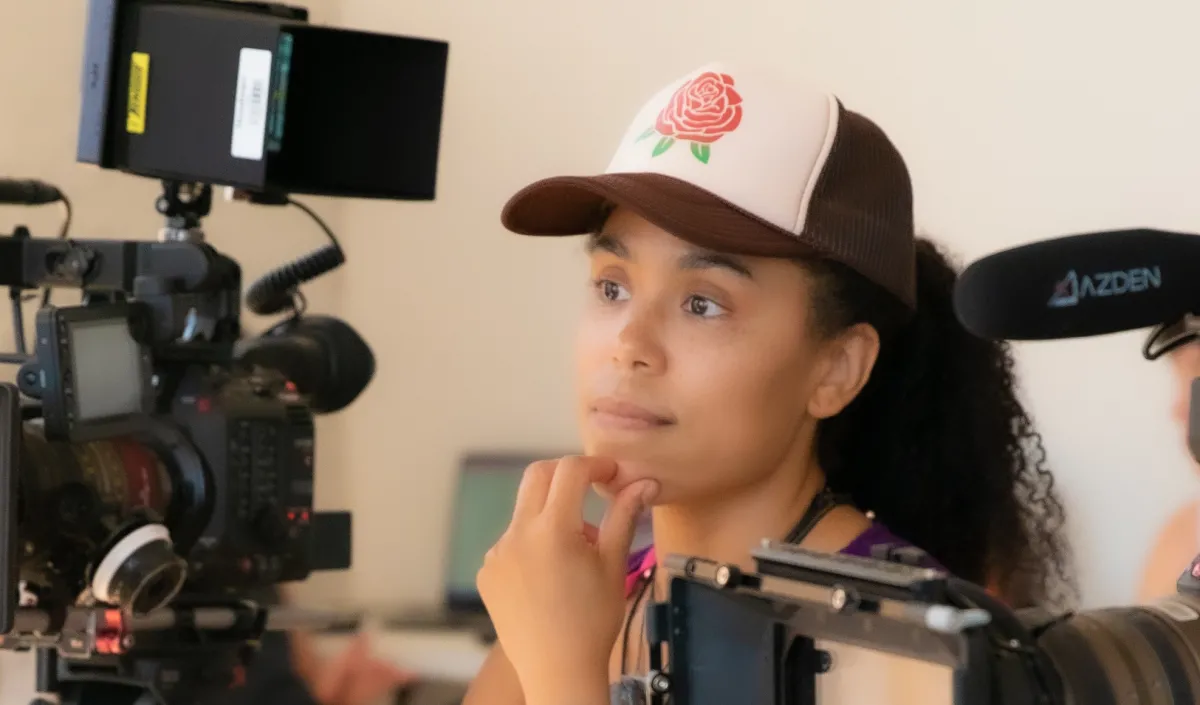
[[875, 541]]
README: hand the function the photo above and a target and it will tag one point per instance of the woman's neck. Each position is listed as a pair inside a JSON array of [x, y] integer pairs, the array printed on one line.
[[728, 528]]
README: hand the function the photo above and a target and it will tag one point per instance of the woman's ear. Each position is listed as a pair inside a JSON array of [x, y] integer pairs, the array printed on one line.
[[846, 366]]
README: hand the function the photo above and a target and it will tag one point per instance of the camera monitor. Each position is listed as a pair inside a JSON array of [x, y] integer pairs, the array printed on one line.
[[95, 376], [252, 96]]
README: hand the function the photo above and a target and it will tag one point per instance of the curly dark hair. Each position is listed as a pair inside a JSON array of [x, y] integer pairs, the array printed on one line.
[[937, 444]]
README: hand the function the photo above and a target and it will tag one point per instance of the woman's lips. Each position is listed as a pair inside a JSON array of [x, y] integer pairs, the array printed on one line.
[[610, 412]]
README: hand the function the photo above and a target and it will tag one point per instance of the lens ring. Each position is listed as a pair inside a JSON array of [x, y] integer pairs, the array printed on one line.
[[1117, 669], [1173, 653], [1078, 665], [1144, 663], [141, 571], [158, 588]]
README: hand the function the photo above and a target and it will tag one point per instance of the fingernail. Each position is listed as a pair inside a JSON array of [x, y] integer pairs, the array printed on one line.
[[649, 492]]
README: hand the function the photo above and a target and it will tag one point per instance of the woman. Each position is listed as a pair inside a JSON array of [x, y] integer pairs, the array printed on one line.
[[1178, 542], [769, 352]]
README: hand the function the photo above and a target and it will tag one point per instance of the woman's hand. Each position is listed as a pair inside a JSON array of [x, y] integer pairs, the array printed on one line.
[[356, 677], [554, 586]]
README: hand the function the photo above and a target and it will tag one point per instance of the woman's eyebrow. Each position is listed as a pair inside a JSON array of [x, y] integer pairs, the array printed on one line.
[[697, 258], [707, 259], [605, 242]]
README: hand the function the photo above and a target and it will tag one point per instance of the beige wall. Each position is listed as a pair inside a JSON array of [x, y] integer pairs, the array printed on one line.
[[1019, 120]]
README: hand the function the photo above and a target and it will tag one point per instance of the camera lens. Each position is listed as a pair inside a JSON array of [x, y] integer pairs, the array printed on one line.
[[141, 572], [94, 516], [1145, 654]]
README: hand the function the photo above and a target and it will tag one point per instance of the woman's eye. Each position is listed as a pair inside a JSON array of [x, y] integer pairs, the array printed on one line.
[[700, 306], [611, 290]]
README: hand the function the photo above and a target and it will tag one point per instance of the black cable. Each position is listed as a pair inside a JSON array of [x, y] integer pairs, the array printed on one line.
[[320, 223], [276, 290], [1169, 336]]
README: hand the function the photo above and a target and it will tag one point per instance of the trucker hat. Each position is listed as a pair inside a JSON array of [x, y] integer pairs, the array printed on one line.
[[747, 161]]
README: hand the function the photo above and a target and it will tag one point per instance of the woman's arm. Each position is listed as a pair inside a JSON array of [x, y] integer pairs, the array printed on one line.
[[496, 683]]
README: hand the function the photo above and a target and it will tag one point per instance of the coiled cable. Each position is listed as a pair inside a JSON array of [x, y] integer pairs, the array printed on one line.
[[276, 290]]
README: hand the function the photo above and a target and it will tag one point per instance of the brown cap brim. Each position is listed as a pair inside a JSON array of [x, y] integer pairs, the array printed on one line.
[[574, 205]]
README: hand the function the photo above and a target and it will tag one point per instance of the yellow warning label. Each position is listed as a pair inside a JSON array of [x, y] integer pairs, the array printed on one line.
[[139, 81]]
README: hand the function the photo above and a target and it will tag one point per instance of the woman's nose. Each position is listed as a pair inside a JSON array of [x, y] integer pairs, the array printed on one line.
[[639, 346]]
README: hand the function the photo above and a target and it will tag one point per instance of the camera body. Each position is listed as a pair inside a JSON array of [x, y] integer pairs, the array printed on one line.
[[257, 438], [225, 462], [156, 464], [159, 465]]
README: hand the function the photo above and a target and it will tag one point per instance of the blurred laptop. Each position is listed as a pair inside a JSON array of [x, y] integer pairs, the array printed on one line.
[[483, 502]]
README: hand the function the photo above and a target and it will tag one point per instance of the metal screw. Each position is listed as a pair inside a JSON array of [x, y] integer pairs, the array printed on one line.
[[723, 575], [660, 683]]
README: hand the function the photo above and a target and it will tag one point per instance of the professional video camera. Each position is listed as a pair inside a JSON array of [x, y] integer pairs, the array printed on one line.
[[773, 635], [157, 479]]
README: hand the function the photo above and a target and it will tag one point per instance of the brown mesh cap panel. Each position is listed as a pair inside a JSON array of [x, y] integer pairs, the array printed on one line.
[[861, 208]]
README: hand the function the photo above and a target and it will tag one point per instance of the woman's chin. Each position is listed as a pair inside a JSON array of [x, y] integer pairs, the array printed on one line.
[[627, 474]]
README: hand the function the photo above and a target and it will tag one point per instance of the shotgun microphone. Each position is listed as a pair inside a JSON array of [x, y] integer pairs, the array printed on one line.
[[25, 192], [1081, 285]]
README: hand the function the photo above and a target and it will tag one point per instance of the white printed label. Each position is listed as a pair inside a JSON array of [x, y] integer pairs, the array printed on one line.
[[250, 104]]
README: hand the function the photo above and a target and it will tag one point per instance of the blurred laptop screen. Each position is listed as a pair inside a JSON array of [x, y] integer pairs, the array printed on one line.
[[486, 493]]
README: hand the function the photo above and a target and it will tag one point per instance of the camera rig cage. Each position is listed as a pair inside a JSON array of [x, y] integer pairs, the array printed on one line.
[[734, 636]]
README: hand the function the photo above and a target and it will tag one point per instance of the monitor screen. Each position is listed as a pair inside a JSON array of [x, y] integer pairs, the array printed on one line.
[[106, 367], [486, 493]]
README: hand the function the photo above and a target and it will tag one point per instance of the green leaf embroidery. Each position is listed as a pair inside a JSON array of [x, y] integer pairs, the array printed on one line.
[[663, 145], [700, 151], [649, 131]]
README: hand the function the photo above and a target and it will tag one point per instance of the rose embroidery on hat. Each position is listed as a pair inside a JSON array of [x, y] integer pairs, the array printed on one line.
[[701, 111]]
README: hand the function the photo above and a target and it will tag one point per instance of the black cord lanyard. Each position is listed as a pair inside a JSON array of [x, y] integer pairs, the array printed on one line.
[[825, 501]]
